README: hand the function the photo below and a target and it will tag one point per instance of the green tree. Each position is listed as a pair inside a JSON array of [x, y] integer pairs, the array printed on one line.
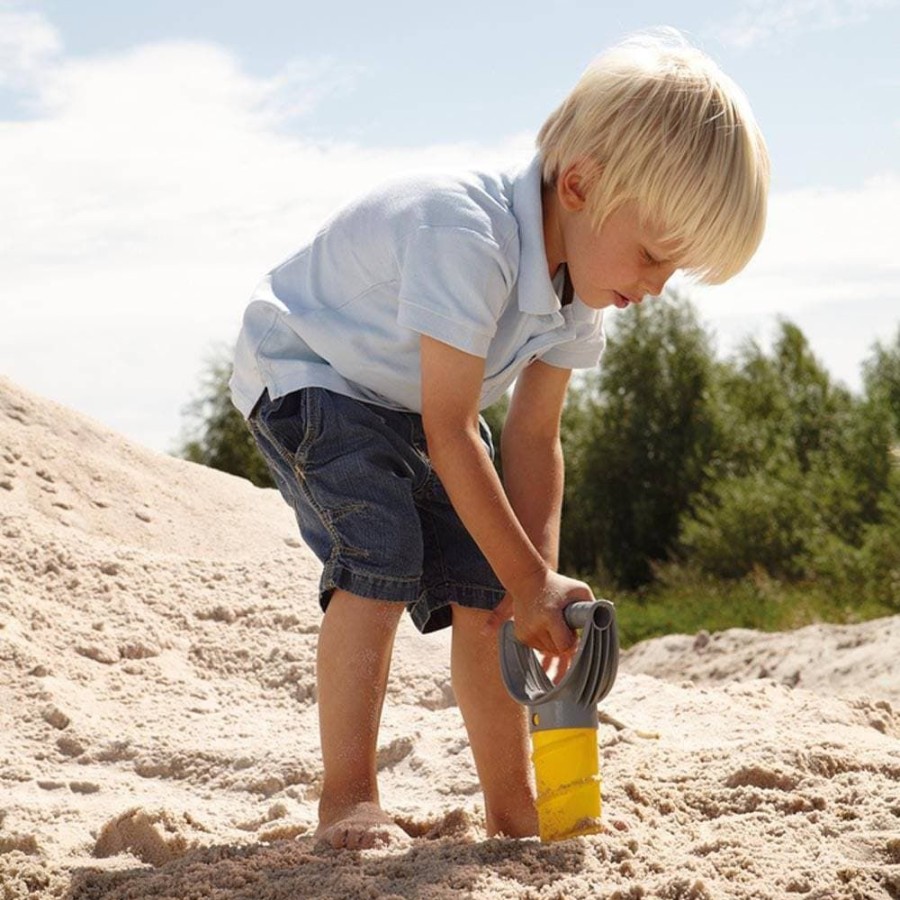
[[639, 434], [881, 376], [758, 520], [580, 537], [781, 404], [866, 578], [881, 551], [849, 477], [216, 433], [800, 470]]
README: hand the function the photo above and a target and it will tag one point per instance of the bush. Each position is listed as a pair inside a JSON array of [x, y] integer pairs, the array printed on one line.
[[753, 491], [760, 520], [800, 469], [880, 551]]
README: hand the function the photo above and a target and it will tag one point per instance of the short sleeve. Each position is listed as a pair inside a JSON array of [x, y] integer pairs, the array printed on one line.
[[584, 350], [454, 285]]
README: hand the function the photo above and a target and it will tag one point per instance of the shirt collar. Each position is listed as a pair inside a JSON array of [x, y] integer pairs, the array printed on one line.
[[535, 288], [536, 294]]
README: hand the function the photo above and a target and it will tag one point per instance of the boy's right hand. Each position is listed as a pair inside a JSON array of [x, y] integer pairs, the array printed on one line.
[[538, 612]]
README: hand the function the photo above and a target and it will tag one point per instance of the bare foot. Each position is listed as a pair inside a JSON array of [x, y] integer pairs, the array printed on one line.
[[360, 827], [523, 825]]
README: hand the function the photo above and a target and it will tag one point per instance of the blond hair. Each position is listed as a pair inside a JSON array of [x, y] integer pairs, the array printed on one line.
[[659, 123]]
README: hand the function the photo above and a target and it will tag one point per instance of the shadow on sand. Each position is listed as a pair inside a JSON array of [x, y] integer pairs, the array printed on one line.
[[443, 869]]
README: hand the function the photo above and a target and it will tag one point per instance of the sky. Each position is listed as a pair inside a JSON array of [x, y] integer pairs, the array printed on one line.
[[157, 159]]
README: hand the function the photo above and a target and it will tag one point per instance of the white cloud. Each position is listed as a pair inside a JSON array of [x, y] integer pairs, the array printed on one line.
[[830, 245], [829, 263], [759, 20], [142, 203], [28, 44]]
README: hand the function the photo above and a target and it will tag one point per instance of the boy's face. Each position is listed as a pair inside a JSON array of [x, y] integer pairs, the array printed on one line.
[[617, 266]]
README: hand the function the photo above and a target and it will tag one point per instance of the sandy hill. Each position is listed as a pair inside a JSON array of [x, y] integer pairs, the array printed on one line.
[[158, 721]]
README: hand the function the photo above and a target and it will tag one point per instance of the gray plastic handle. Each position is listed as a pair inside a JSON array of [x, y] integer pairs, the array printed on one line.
[[577, 615], [573, 702]]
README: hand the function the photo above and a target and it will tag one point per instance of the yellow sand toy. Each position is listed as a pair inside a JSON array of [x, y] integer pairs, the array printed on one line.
[[563, 718]]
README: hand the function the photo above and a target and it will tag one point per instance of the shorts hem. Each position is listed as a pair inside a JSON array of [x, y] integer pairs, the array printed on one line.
[[429, 610], [373, 587], [432, 611]]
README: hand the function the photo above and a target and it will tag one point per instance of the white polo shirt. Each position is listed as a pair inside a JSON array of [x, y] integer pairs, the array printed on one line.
[[458, 258]]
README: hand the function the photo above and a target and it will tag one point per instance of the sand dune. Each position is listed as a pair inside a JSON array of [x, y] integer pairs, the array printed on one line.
[[158, 721]]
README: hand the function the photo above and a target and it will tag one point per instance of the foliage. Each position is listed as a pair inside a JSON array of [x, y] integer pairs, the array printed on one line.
[[684, 601], [217, 434], [638, 435], [754, 520], [866, 575], [881, 376], [801, 463]]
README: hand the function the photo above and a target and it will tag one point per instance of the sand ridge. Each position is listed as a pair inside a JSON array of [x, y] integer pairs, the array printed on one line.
[[158, 728]]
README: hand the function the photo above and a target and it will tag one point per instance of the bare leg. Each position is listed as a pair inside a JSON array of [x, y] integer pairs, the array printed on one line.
[[354, 656], [497, 727]]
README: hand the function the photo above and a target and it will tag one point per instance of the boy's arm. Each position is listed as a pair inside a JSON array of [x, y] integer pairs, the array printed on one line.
[[451, 388], [533, 468]]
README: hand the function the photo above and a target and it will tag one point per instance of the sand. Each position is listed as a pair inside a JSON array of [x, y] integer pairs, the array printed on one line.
[[158, 718]]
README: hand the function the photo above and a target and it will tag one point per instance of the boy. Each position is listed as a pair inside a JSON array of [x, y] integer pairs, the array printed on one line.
[[364, 361]]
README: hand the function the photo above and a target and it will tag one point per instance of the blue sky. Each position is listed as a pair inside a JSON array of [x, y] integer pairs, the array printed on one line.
[[156, 159]]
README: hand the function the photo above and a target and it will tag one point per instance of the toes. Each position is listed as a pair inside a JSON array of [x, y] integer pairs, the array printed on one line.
[[356, 840], [361, 834]]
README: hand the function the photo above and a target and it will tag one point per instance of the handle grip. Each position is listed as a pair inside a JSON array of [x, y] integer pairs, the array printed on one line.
[[580, 613]]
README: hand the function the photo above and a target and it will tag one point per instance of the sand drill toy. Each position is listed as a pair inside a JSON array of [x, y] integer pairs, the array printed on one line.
[[563, 718]]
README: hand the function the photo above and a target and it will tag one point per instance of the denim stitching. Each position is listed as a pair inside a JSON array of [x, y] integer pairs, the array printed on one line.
[[293, 464], [276, 445], [388, 580]]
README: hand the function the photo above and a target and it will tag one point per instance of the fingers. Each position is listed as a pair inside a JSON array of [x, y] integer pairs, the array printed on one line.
[[555, 639], [562, 667], [562, 636], [559, 665], [560, 641]]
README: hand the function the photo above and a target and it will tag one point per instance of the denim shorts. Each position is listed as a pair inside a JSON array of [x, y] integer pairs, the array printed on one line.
[[370, 505]]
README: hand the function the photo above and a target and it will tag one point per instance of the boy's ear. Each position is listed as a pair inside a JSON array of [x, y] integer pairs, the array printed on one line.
[[572, 186]]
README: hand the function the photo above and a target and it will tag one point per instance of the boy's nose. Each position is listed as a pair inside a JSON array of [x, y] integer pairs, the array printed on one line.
[[654, 285]]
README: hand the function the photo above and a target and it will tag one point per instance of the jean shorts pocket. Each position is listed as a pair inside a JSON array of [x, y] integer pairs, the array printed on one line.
[[291, 423]]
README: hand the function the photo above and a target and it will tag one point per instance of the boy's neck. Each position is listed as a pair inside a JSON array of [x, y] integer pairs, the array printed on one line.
[[553, 245]]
